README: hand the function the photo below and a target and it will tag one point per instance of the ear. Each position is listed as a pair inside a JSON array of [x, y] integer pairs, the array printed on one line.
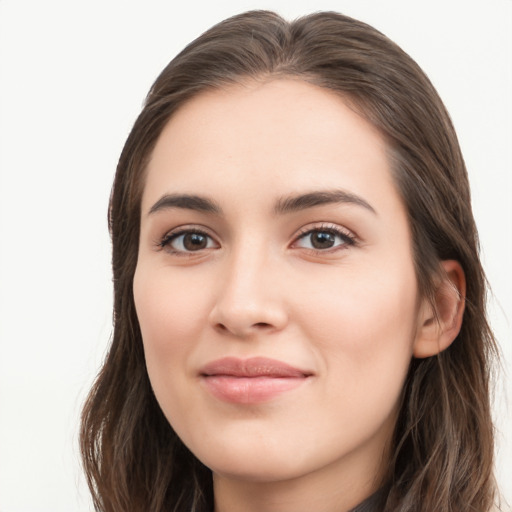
[[437, 328]]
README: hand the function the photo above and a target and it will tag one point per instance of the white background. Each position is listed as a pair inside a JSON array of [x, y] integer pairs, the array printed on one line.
[[73, 76]]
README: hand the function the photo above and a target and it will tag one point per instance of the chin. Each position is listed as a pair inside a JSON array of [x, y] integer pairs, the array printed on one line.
[[258, 471], [255, 463]]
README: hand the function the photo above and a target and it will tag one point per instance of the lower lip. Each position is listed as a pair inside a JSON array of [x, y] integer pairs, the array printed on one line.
[[250, 390]]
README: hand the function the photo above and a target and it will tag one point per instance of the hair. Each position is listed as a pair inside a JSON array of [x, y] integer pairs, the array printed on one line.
[[442, 450]]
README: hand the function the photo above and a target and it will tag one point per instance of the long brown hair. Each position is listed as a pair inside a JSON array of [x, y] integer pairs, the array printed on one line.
[[442, 452]]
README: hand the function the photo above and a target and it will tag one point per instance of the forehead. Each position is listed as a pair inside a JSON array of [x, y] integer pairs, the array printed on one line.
[[273, 137]]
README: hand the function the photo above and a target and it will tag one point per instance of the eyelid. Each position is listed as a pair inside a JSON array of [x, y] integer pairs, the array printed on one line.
[[164, 242], [349, 236]]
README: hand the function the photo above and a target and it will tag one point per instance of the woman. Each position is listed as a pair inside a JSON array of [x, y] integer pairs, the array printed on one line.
[[299, 304]]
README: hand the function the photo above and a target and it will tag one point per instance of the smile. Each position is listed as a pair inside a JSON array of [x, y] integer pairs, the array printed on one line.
[[250, 381]]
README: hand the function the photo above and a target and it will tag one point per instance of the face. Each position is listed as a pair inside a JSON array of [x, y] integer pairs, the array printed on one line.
[[275, 286]]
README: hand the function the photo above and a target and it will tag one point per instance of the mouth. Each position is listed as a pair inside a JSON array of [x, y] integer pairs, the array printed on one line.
[[251, 381]]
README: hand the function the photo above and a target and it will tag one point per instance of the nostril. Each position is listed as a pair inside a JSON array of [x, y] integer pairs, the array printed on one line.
[[223, 328], [262, 325]]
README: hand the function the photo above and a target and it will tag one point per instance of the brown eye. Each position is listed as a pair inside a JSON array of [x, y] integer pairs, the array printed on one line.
[[188, 241], [324, 239], [195, 241]]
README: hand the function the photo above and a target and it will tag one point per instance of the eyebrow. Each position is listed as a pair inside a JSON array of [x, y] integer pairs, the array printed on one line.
[[284, 205], [310, 200], [185, 201]]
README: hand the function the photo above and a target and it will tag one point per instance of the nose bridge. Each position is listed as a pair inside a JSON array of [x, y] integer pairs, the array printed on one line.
[[247, 298]]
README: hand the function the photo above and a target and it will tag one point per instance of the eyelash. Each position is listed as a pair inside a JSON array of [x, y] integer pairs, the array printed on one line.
[[346, 236], [170, 237]]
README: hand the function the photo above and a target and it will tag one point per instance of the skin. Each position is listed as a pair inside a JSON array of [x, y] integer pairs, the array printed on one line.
[[349, 314]]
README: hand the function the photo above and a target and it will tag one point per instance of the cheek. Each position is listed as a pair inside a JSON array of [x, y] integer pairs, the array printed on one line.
[[365, 306], [166, 313], [364, 324], [364, 338], [170, 323]]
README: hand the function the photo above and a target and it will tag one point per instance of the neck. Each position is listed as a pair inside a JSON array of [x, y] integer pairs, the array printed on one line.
[[328, 490]]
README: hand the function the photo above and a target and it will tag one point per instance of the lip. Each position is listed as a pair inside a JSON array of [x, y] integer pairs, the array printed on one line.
[[251, 381]]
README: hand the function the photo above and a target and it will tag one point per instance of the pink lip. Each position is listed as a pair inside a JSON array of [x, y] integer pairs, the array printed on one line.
[[250, 381]]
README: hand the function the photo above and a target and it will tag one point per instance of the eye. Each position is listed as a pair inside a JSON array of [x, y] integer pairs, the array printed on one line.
[[323, 239], [187, 241]]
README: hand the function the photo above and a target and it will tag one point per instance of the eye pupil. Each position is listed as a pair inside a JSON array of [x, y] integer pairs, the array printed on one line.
[[194, 241], [322, 240]]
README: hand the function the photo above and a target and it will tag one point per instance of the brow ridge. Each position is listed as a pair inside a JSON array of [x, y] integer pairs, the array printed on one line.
[[318, 198]]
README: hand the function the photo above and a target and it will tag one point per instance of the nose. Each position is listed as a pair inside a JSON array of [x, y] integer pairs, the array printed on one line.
[[250, 297]]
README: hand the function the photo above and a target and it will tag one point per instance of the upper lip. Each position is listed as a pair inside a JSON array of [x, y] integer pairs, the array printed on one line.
[[252, 367]]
